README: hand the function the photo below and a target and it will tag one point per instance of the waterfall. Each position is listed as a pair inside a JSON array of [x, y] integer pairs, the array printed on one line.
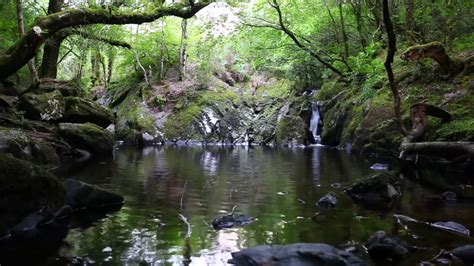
[[315, 120]]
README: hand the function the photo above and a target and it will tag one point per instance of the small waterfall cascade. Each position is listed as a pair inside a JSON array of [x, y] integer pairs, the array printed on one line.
[[315, 121]]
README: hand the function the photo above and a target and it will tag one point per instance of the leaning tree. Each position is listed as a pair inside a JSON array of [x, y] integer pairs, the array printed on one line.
[[46, 27]]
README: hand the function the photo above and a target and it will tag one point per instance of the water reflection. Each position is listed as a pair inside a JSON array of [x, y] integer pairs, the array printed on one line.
[[159, 183]]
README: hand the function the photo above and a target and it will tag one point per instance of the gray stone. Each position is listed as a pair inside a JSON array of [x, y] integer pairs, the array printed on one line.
[[300, 254]]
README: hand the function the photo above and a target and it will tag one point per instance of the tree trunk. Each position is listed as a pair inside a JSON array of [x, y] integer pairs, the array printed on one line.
[[110, 66], [435, 51], [49, 65], [183, 54], [357, 9], [419, 117], [25, 49], [22, 33], [409, 21], [162, 50], [95, 67], [343, 32], [451, 10], [392, 48], [462, 147]]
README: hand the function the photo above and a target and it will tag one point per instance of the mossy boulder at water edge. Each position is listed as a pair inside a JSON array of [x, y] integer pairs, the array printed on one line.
[[24, 188], [79, 110], [46, 106], [87, 136], [23, 145]]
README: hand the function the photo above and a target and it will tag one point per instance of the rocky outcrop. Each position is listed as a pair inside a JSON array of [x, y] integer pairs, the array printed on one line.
[[25, 188], [46, 106], [87, 136], [79, 110], [295, 254]]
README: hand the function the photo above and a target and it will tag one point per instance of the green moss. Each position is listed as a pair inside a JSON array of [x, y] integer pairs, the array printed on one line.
[[290, 128], [180, 126]]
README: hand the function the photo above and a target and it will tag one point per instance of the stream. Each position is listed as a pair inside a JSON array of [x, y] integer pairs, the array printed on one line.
[[277, 186]]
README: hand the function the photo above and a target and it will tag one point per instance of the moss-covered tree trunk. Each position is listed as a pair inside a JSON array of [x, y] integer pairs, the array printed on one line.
[[49, 65], [22, 33], [25, 49]]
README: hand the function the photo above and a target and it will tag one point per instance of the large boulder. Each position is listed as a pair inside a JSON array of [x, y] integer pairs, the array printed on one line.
[[21, 144], [464, 254], [79, 110], [382, 187], [295, 254], [84, 196], [65, 87], [46, 106], [25, 188], [87, 136]]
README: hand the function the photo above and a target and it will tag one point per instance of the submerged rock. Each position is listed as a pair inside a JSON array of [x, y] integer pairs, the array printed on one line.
[[449, 196], [329, 201], [383, 247], [231, 220], [84, 196], [452, 227], [79, 110], [464, 253], [24, 189], [380, 167], [295, 254], [88, 137], [383, 187]]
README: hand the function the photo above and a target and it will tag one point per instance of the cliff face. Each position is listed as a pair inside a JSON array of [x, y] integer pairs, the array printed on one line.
[[365, 120]]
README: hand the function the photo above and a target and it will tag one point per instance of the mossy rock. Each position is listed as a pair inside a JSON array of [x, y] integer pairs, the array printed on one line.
[[21, 145], [46, 106], [133, 120], [383, 186], [65, 87], [87, 136], [291, 128], [79, 110], [25, 188]]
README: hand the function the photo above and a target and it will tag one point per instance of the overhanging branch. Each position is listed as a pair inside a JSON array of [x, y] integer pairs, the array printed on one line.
[[25, 49]]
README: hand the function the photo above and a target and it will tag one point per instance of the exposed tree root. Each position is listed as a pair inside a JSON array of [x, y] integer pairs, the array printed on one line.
[[435, 51]]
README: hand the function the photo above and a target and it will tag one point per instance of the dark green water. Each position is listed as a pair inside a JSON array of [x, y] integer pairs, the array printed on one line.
[[159, 183]]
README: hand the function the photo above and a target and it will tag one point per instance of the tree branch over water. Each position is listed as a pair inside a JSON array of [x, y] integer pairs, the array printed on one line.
[[25, 49]]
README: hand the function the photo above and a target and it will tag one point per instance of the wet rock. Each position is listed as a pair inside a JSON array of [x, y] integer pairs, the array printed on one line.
[[449, 196], [80, 195], [231, 220], [23, 145], [383, 247], [24, 189], [329, 201], [295, 254], [79, 110], [383, 187], [88, 137], [380, 167], [465, 254], [47, 106], [452, 227]]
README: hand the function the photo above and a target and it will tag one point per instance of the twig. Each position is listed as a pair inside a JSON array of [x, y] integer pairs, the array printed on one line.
[[185, 220], [182, 195]]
